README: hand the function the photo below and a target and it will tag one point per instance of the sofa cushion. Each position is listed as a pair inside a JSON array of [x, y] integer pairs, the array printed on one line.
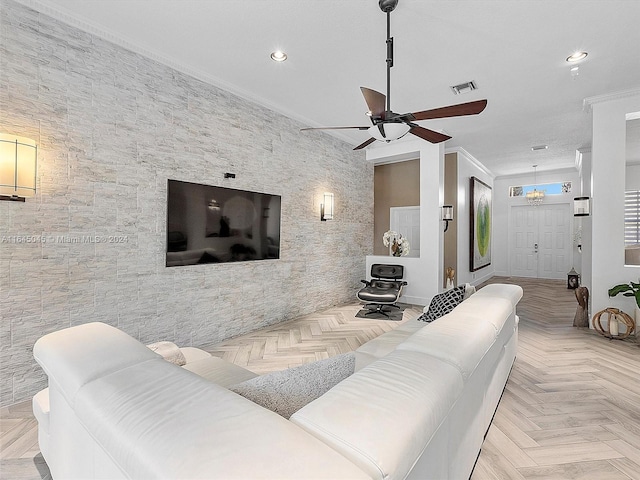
[[443, 303], [169, 351], [75, 356], [157, 421], [409, 395], [494, 310], [456, 339], [219, 371], [191, 354], [385, 343], [511, 292]]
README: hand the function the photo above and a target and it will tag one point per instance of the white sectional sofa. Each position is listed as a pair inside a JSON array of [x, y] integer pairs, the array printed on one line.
[[417, 407]]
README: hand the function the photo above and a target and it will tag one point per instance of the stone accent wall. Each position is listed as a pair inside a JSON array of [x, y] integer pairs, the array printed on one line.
[[112, 126]]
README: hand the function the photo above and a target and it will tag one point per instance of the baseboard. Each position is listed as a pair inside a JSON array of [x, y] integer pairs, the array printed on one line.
[[422, 301]]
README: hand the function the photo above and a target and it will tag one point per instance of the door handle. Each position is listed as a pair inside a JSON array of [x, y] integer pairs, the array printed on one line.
[[535, 246]]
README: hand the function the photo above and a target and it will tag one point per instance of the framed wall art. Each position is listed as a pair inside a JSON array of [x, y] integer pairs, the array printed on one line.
[[480, 254]]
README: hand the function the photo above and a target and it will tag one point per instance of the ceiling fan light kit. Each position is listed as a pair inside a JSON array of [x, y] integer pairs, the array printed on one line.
[[388, 125], [389, 131]]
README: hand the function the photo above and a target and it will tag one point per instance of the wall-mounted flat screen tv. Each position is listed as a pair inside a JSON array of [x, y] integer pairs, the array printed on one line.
[[207, 224]]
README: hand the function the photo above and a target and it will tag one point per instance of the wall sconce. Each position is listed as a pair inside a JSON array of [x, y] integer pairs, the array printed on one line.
[[18, 161], [326, 207], [581, 207], [447, 215]]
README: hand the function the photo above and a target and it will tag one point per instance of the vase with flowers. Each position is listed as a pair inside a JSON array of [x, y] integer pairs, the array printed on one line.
[[398, 245]]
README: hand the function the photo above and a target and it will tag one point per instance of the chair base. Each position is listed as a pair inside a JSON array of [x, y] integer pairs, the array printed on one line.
[[380, 308]]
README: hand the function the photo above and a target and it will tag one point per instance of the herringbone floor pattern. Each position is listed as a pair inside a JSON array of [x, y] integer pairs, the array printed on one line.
[[306, 339], [571, 408]]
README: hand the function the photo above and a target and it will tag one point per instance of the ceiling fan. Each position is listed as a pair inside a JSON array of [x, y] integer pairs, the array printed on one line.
[[388, 125]]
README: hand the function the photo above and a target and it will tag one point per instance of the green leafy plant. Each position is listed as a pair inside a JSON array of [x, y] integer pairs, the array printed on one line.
[[630, 289]]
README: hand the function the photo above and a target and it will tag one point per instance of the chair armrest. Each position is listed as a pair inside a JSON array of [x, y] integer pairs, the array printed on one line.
[[404, 283], [366, 283]]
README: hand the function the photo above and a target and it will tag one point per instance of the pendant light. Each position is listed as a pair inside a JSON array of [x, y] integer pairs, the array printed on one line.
[[535, 196]]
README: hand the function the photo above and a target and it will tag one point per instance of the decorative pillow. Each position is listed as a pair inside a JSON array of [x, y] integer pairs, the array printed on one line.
[[443, 303], [287, 391], [169, 351]]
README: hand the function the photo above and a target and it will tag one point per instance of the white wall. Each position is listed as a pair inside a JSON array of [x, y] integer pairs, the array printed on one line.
[[583, 261], [608, 177], [470, 167], [503, 203], [422, 274], [632, 177]]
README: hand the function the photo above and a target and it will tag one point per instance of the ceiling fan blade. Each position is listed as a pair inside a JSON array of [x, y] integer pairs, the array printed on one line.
[[364, 144], [428, 135], [471, 108], [376, 102], [333, 128]]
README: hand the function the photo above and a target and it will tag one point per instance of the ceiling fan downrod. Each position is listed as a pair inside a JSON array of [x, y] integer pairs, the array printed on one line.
[[388, 126], [389, 63], [388, 6]]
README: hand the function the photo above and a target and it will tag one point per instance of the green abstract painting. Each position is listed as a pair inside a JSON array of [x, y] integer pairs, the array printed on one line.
[[480, 254]]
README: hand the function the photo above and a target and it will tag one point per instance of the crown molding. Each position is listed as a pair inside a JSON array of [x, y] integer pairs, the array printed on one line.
[[68, 18], [580, 152], [558, 171], [588, 102], [473, 160]]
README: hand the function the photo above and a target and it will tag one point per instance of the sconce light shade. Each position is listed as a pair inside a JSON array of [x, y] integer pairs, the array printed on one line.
[[447, 215], [581, 207], [326, 207], [18, 162]]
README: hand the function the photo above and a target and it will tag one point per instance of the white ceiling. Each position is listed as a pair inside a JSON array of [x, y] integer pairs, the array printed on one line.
[[514, 50]]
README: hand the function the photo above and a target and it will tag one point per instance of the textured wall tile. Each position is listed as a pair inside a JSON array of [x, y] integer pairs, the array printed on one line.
[[112, 126]]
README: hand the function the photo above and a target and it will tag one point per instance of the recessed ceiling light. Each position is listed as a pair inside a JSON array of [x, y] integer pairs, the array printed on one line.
[[539, 147], [278, 56], [576, 57]]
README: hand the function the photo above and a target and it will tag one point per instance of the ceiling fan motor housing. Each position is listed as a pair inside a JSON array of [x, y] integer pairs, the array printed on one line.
[[387, 5]]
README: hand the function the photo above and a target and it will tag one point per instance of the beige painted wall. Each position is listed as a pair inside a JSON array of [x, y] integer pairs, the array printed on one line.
[[395, 185], [451, 198]]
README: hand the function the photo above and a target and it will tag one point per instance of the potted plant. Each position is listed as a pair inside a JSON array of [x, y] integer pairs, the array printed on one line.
[[630, 289]]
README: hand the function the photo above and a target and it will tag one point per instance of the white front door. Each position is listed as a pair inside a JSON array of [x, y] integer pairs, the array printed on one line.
[[406, 221], [539, 244]]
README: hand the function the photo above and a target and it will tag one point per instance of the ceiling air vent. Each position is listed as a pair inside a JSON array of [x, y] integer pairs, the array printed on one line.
[[465, 87]]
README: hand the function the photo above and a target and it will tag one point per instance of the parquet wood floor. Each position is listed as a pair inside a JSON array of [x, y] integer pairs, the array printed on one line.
[[571, 408]]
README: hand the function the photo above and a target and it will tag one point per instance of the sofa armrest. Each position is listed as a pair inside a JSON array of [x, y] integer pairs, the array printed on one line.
[[78, 355], [383, 417]]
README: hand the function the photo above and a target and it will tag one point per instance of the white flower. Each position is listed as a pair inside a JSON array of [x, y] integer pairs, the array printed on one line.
[[399, 244], [404, 247], [389, 237]]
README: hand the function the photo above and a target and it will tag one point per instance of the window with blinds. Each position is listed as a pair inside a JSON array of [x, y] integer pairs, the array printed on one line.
[[632, 217]]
